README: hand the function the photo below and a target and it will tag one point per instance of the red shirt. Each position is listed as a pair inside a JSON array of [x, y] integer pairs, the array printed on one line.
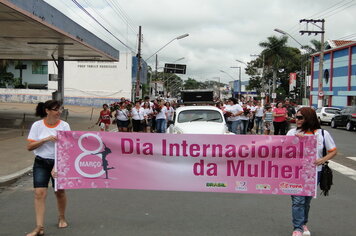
[[105, 116], [279, 111]]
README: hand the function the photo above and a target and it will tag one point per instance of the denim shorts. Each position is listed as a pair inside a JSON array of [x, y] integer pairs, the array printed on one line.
[[42, 169]]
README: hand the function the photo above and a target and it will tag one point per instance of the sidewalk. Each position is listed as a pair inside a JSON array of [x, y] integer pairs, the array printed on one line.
[[14, 158]]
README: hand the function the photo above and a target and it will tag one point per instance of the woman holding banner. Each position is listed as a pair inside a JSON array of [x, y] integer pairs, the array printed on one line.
[[41, 140], [308, 124]]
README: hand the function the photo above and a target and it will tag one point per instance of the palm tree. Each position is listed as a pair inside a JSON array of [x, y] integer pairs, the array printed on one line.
[[275, 52], [316, 46]]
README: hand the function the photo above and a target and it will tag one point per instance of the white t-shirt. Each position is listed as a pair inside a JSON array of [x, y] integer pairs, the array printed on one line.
[[162, 113], [122, 115], [234, 109], [252, 108], [147, 112], [40, 130], [138, 114], [259, 111], [170, 113], [329, 142]]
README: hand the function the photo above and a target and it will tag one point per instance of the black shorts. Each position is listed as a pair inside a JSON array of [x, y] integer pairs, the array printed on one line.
[[122, 123], [42, 169], [137, 125]]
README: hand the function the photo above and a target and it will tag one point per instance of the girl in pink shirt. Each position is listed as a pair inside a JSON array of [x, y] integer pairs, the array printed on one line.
[[279, 119]]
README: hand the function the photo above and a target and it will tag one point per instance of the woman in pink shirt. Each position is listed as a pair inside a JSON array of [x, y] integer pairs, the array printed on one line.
[[279, 119]]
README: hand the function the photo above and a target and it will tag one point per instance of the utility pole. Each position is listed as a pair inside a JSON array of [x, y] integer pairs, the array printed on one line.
[[239, 67], [156, 75], [139, 67], [321, 55]]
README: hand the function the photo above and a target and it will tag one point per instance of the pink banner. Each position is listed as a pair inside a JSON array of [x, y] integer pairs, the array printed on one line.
[[206, 163]]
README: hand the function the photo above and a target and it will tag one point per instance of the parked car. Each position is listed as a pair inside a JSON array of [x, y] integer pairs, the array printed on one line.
[[345, 118], [198, 120], [325, 114]]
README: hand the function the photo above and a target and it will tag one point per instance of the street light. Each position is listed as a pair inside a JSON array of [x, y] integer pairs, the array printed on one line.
[[177, 38], [301, 61], [285, 33], [227, 74], [241, 61], [179, 59]]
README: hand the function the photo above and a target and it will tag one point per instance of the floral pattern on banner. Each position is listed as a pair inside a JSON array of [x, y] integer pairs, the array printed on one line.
[[64, 163]]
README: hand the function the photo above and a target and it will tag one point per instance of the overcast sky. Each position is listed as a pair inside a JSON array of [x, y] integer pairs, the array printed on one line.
[[220, 31]]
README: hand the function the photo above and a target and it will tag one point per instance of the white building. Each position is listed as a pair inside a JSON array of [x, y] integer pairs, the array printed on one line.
[[86, 83]]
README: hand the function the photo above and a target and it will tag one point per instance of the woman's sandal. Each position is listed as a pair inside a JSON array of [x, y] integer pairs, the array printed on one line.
[[38, 231], [62, 223]]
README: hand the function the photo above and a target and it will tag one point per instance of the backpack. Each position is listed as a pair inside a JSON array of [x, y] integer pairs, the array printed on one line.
[[326, 176]]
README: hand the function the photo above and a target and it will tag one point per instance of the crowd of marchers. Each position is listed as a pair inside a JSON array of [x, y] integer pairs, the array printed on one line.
[[242, 116], [139, 116], [251, 117]]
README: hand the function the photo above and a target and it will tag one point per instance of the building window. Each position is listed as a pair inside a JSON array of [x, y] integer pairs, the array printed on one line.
[[40, 69]]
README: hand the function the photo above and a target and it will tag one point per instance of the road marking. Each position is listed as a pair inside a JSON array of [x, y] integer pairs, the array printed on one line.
[[352, 158], [351, 173]]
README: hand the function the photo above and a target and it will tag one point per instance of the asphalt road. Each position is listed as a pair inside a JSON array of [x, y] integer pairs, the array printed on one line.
[[132, 212], [345, 143]]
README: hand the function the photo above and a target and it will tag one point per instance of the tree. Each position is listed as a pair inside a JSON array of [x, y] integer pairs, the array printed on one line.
[[6, 78], [193, 84], [276, 61], [316, 46], [254, 70], [275, 53]]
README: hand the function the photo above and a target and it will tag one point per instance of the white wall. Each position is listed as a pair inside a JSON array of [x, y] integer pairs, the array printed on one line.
[[25, 95], [85, 83], [97, 79]]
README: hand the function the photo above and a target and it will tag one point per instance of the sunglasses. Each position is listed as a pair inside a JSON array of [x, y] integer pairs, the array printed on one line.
[[299, 117], [57, 109]]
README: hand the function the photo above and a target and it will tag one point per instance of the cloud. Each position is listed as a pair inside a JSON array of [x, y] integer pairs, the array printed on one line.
[[220, 31]]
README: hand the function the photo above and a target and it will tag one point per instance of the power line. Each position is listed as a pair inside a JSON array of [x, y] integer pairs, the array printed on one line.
[[86, 12], [107, 22], [340, 10], [116, 6], [350, 36], [104, 19], [319, 14], [332, 10], [85, 21]]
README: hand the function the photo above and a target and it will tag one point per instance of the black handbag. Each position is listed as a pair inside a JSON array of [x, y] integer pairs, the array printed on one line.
[[326, 176], [326, 179]]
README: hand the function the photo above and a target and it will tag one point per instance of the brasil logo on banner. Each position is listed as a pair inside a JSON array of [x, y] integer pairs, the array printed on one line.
[[259, 164]]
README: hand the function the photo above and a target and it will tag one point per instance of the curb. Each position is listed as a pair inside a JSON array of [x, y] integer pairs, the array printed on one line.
[[7, 179]]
